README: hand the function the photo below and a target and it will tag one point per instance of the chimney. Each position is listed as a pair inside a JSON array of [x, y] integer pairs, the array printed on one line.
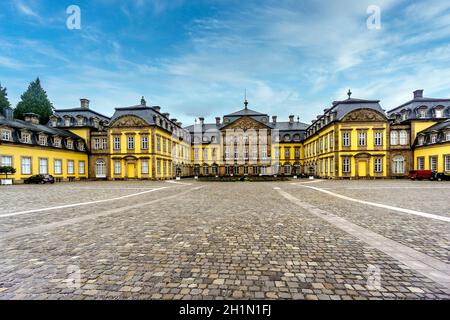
[[174, 120], [291, 119], [167, 115], [8, 113], [84, 103], [218, 121], [180, 124], [274, 119], [418, 94], [32, 118], [157, 108], [201, 120]]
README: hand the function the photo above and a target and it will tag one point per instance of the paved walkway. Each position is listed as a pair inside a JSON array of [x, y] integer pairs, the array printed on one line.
[[217, 241]]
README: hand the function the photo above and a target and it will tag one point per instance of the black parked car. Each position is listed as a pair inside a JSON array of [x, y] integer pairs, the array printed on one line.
[[440, 176], [40, 178]]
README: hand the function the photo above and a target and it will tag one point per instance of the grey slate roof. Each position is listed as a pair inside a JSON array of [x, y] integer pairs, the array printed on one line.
[[74, 112], [344, 107], [440, 129], [444, 125], [143, 112], [245, 112]]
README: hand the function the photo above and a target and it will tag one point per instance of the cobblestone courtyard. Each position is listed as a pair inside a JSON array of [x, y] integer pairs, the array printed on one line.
[[196, 240]]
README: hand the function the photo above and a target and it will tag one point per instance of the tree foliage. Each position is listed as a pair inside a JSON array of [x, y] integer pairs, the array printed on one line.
[[4, 102], [34, 100]]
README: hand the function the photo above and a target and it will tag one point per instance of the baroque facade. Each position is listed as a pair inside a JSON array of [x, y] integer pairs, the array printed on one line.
[[352, 139]]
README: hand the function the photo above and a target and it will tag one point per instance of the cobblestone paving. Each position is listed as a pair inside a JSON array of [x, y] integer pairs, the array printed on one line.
[[223, 241], [422, 234]]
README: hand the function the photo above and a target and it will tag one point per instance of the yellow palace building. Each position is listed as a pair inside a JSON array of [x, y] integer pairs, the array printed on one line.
[[352, 139]]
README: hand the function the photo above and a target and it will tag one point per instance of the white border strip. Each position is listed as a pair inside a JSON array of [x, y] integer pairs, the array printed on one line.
[[384, 206]]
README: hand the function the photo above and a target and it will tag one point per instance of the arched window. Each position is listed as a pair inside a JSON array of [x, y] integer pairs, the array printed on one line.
[[205, 170], [403, 137], [398, 165], [100, 169], [394, 138], [287, 169]]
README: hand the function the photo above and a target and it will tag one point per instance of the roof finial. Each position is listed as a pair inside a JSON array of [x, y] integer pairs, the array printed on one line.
[[349, 93], [245, 101], [143, 102]]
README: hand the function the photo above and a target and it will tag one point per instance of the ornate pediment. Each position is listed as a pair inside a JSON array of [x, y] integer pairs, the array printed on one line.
[[246, 123], [364, 115], [129, 122]]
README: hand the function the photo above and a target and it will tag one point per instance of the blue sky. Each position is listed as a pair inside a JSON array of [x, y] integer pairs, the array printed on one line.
[[196, 58]]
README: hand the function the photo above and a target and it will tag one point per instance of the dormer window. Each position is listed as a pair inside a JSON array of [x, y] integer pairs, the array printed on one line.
[[404, 116], [43, 140], [57, 142], [6, 135], [80, 145], [67, 122], [80, 121], [433, 138], [54, 122], [69, 144], [422, 113], [447, 136], [421, 140], [25, 137], [439, 112], [287, 138]]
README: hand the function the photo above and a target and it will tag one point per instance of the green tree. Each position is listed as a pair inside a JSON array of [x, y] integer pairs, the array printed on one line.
[[4, 102], [34, 100]]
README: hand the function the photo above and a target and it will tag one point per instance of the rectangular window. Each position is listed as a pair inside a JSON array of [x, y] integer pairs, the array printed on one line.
[[227, 170], [130, 142], [227, 153], [144, 167], [346, 165], [117, 167], [6, 135], [58, 166], [205, 154], [104, 143], [346, 139], [421, 163], [403, 137], [158, 144], [245, 169], [7, 161], [165, 168], [287, 153], [297, 153], [362, 139], [236, 153], [433, 163], [116, 143], [26, 165], [70, 167], [264, 152], [447, 163], [277, 153], [144, 142], [378, 139], [331, 141], [96, 144], [42, 140], [255, 169], [214, 154], [69, 144], [378, 165], [196, 156], [43, 166], [81, 167], [433, 138]]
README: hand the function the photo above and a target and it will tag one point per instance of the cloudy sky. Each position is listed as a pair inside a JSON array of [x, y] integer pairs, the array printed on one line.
[[196, 57]]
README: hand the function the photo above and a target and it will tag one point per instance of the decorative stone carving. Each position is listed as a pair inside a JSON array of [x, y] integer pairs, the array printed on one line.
[[128, 121], [246, 123], [364, 115]]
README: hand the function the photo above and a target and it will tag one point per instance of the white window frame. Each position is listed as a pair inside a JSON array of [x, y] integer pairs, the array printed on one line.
[[96, 143], [7, 163], [346, 165], [346, 139], [43, 164], [394, 138], [70, 167], [362, 139], [26, 167], [145, 169], [130, 142], [144, 143], [378, 139], [403, 137], [434, 162], [117, 143], [57, 166], [378, 165], [420, 163], [6, 135], [447, 163], [81, 167], [117, 167]]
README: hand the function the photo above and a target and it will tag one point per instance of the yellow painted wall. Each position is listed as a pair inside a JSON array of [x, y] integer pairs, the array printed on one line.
[[418, 126], [439, 150], [35, 152]]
